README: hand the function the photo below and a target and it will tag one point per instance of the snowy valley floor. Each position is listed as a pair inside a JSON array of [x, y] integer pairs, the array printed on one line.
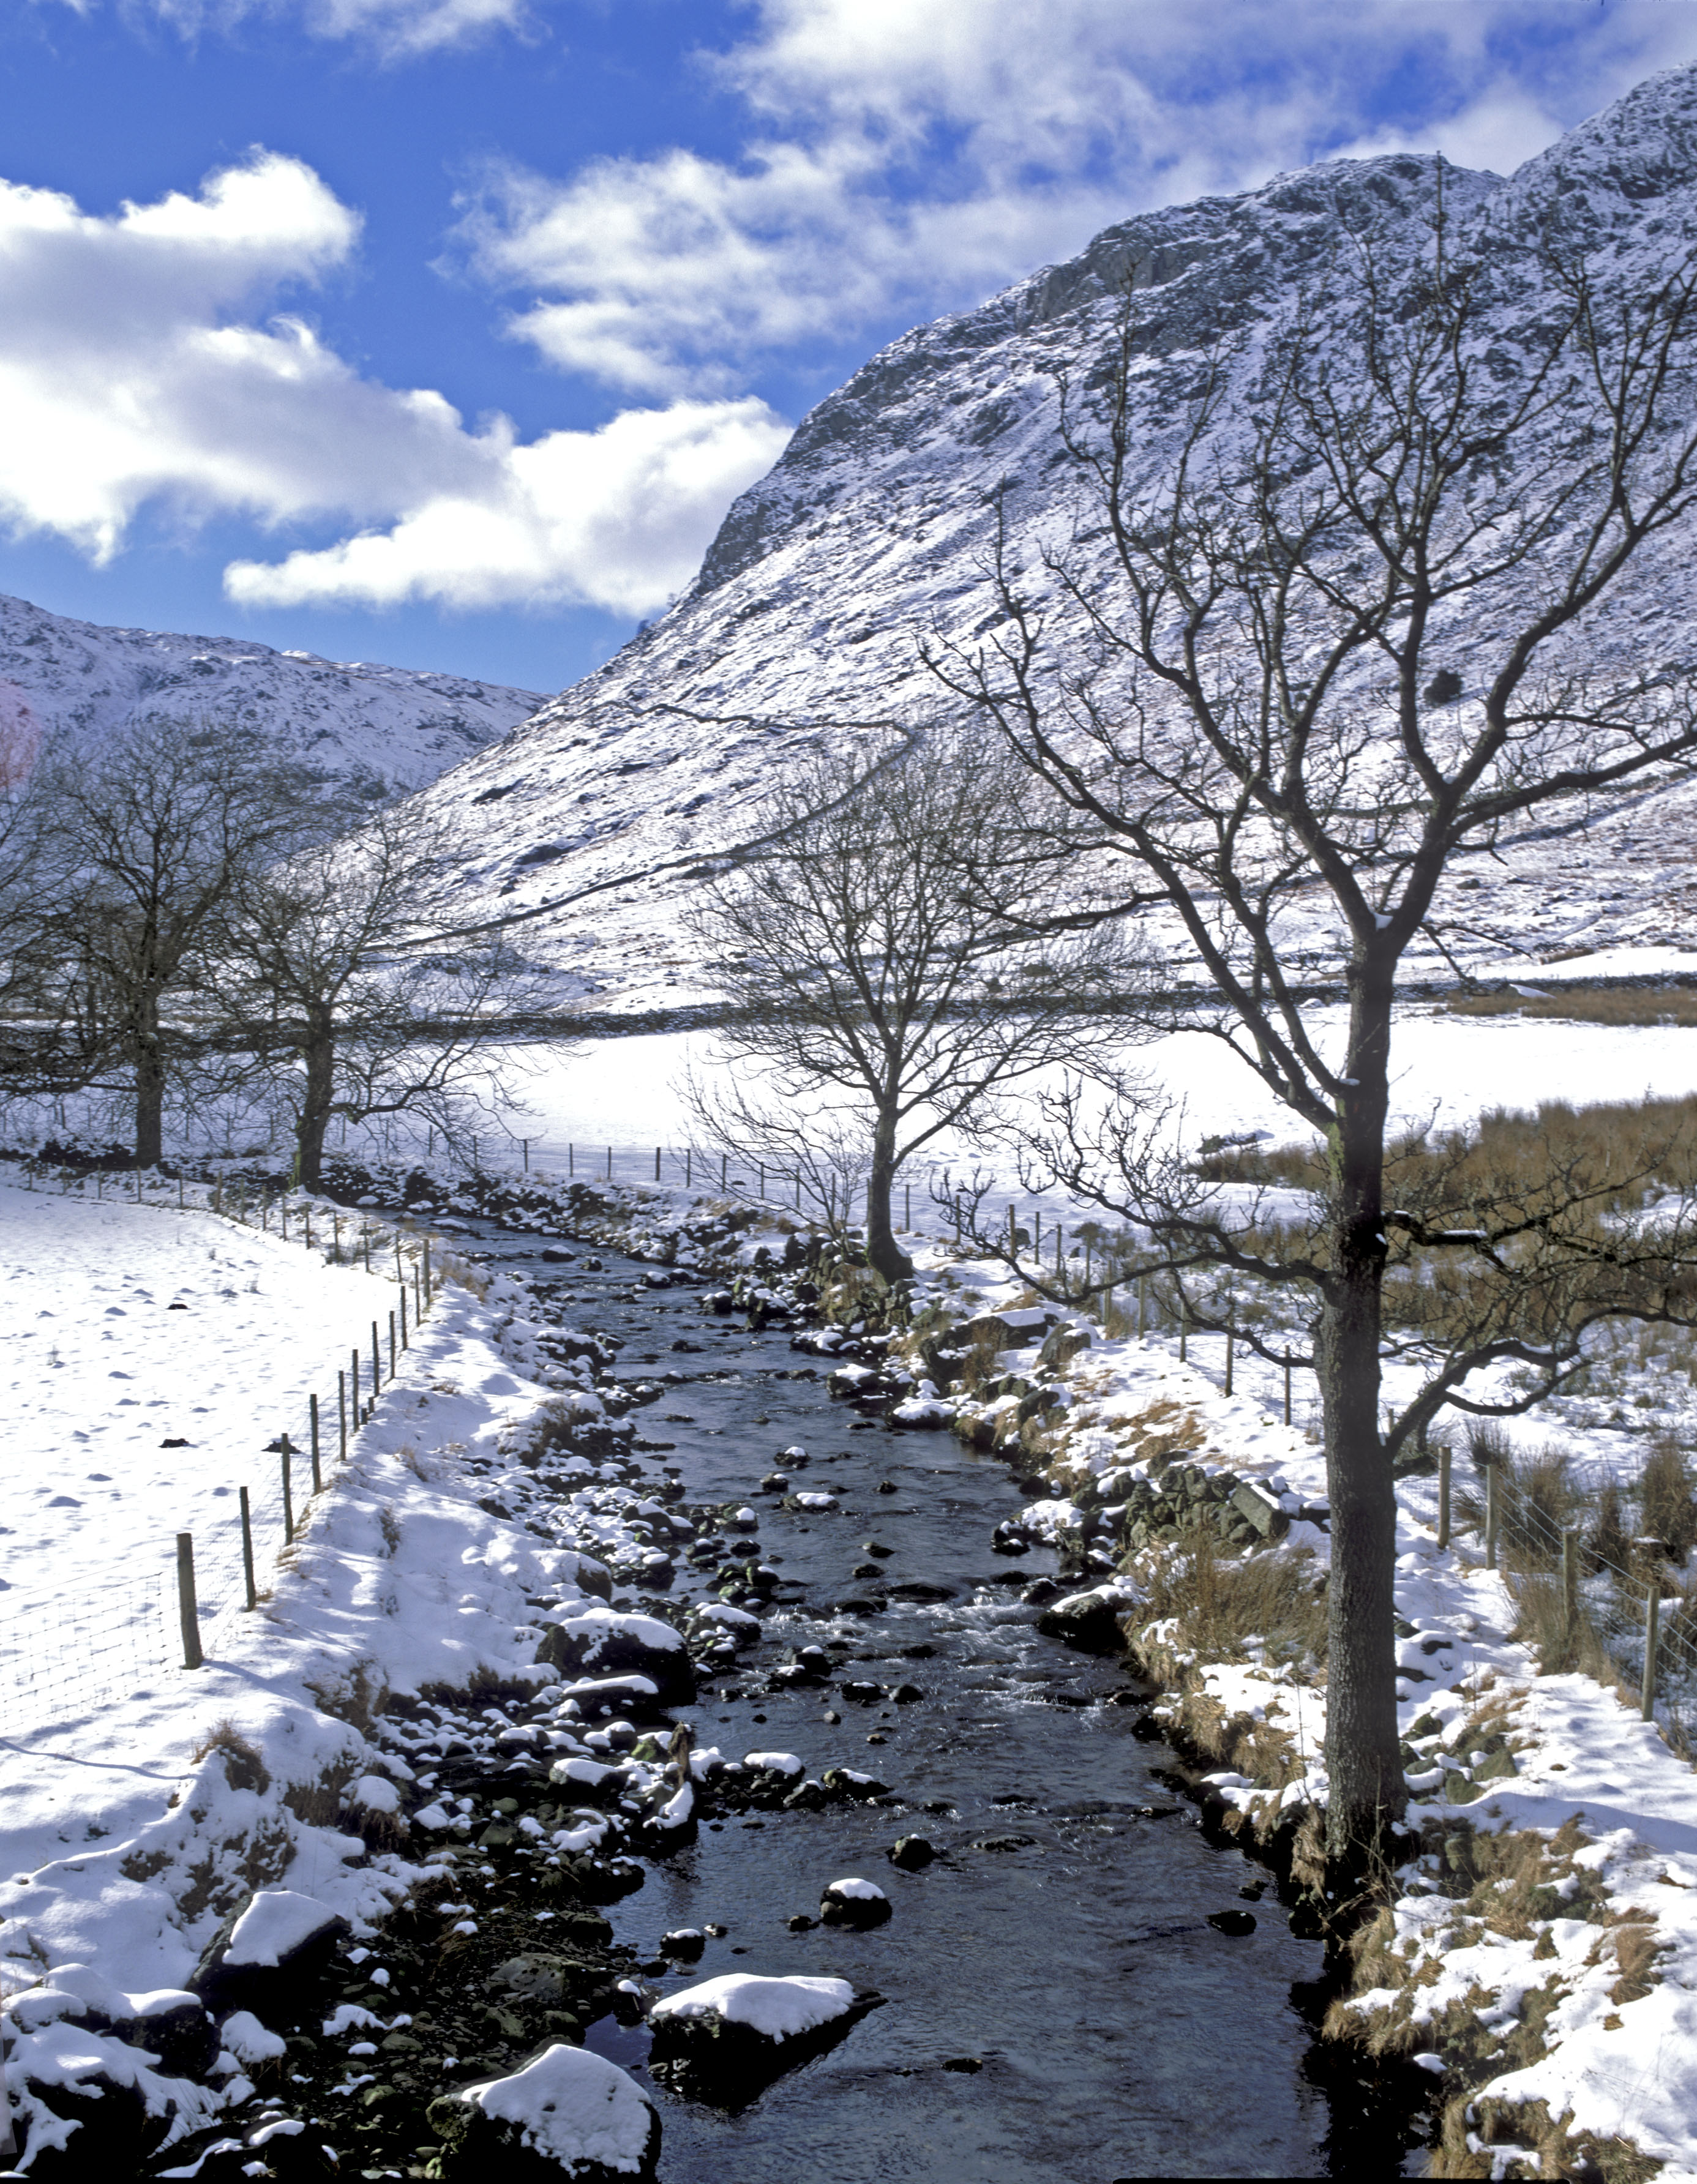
[[1553, 1988]]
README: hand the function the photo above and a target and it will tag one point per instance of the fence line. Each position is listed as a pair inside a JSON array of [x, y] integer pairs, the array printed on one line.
[[60, 1655]]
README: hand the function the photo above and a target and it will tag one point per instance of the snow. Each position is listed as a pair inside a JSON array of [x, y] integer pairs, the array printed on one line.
[[249, 2042], [776, 2008], [573, 2107], [774, 1763], [859, 1892], [398, 1575], [273, 1925], [352, 717], [104, 1371]]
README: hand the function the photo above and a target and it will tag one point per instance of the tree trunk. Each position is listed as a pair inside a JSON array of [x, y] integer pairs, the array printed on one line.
[[883, 1253], [149, 1059], [318, 1052], [1368, 1793]]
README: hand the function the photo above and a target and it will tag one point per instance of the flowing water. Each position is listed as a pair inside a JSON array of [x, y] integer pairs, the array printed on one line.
[[1057, 2005]]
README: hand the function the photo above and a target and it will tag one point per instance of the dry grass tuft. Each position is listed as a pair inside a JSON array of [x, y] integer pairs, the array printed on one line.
[[1665, 1504], [356, 1698], [1477, 2134], [1220, 1601], [243, 1768], [1603, 1005]]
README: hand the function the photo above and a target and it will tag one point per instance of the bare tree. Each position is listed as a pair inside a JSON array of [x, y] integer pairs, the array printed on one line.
[[352, 1002], [1342, 637], [883, 993], [141, 841]]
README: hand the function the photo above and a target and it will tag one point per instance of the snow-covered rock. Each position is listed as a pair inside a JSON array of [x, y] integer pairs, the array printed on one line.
[[854, 1903], [724, 2039], [608, 1643], [775, 2009], [573, 2109], [261, 1954]]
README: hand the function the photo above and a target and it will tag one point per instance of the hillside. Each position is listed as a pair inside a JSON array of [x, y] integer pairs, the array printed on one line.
[[355, 720], [875, 526]]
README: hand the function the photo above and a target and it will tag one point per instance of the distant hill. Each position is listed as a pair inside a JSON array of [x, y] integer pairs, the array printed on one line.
[[358, 722]]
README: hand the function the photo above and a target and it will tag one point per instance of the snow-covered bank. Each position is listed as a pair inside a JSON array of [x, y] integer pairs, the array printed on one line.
[[1539, 1951], [128, 1834]]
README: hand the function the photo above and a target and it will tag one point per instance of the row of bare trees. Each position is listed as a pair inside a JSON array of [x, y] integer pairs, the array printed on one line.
[[184, 913], [1287, 671]]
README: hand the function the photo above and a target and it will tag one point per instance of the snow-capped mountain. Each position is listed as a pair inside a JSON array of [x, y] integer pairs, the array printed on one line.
[[874, 528], [355, 722]]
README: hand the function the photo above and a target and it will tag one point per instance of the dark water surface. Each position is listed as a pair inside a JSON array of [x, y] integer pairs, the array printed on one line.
[[1060, 1941]]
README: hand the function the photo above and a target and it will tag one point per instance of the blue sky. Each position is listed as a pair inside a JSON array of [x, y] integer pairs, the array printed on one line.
[[443, 331]]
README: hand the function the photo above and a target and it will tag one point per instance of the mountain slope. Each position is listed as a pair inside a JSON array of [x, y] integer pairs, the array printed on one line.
[[876, 526], [358, 722]]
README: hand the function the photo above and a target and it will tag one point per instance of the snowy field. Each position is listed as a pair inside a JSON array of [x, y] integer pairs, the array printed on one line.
[[128, 1330], [627, 1093]]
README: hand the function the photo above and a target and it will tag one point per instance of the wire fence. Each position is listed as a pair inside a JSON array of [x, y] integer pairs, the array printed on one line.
[[64, 1654]]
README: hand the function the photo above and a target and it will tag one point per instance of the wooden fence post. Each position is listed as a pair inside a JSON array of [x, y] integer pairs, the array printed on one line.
[[656, 1163], [427, 1273], [1142, 1305], [188, 1608], [317, 1474], [248, 1553], [1493, 1512], [1231, 1357], [1652, 1640], [287, 1493], [1288, 1387], [342, 1410], [1444, 1494], [354, 1384], [394, 1360], [377, 1365], [404, 1343]]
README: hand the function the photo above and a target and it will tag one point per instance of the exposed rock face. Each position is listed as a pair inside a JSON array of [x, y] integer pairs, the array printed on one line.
[[873, 528]]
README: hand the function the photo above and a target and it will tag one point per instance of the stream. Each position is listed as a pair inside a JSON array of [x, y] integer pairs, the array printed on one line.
[[1056, 2005]]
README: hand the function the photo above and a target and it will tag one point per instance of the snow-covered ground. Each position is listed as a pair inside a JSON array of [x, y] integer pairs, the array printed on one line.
[[628, 1093], [124, 1834], [152, 1355]]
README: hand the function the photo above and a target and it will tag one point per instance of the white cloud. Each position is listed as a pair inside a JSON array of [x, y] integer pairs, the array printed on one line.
[[910, 155], [397, 29], [132, 371], [619, 517]]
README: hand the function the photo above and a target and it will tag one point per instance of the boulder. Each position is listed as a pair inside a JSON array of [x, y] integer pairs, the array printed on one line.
[[1090, 1621], [726, 2039], [170, 2023], [601, 1642], [92, 2106], [1261, 1510], [911, 1852], [1062, 1343], [566, 2114], [264, 1957], [854, 1903]]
